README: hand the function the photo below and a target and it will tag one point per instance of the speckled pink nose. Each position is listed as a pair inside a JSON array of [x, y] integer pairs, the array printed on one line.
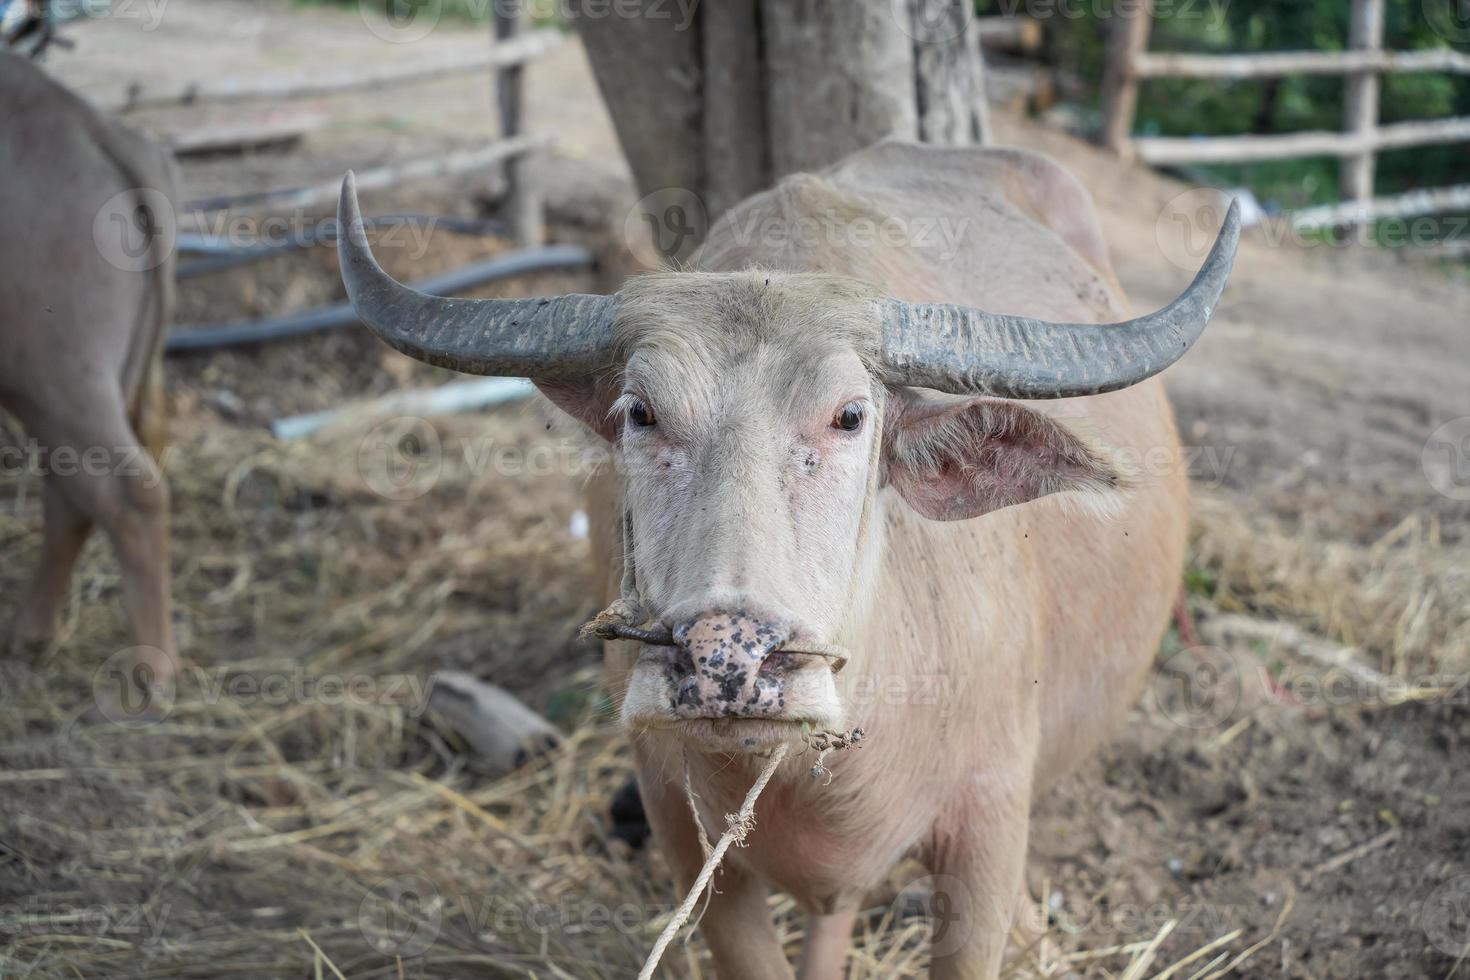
[[727, 666]]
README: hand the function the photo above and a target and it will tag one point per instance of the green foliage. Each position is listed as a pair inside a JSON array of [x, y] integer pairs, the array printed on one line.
[[1183, 107]]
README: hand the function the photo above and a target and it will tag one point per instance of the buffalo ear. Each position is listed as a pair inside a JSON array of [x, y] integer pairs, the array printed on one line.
[[587, 400], [956, 459]]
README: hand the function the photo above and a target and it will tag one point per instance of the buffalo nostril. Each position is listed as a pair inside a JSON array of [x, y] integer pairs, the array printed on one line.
[[774, 662]]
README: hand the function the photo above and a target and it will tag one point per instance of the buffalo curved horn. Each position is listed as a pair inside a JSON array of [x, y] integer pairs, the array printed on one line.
[[961, 350], [553, 338]]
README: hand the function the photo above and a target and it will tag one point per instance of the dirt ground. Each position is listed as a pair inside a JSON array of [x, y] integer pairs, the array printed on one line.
[[1290, 815]]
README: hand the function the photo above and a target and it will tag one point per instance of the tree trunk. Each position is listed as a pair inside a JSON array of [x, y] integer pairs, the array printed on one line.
[[725, 100]]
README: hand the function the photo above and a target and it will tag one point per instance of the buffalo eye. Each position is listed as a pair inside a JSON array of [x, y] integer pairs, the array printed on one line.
[[640, 414], [849, 417]]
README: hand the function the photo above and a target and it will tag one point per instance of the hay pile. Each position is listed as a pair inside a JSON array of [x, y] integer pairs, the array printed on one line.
[[1403, 600]]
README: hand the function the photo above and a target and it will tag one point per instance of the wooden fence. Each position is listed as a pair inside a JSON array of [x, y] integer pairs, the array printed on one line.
[[512, 47], [1362, 64]]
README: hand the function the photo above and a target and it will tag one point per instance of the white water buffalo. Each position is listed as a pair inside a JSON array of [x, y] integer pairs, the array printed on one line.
[[86, 287], [990, 562]]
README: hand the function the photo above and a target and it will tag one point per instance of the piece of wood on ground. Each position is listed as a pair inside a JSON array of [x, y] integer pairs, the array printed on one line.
[[490, 720]]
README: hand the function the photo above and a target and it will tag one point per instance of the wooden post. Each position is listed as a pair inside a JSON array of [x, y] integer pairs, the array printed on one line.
[[1127, 40], [522, 192], [1360, 106]]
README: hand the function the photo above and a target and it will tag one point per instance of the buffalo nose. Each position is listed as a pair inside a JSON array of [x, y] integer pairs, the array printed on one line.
[[728, 667]]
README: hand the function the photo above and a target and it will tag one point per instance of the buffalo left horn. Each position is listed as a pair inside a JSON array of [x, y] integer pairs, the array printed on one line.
[[552, 338], [962, 350]]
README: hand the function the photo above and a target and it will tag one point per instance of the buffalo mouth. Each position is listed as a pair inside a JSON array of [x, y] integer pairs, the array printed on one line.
[[734, 734], [770, 706]]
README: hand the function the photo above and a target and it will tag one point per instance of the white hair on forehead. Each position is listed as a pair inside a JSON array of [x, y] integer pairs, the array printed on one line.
[[711, 313], [680, 334]]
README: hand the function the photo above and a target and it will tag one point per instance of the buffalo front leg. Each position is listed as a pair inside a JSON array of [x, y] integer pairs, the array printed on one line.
[[978, 867], [824, 952], [737, 924]]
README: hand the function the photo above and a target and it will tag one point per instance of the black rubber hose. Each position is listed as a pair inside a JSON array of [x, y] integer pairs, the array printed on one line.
[[204, 337], [218, 259]]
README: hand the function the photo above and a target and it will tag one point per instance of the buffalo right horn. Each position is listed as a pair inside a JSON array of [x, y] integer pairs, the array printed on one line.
[[553, 338], [962, 350]]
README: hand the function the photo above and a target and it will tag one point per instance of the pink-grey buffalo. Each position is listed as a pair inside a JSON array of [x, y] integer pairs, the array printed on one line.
[[841, 439]]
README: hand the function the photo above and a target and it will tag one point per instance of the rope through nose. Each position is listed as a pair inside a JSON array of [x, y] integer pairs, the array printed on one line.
[[607, 625]]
